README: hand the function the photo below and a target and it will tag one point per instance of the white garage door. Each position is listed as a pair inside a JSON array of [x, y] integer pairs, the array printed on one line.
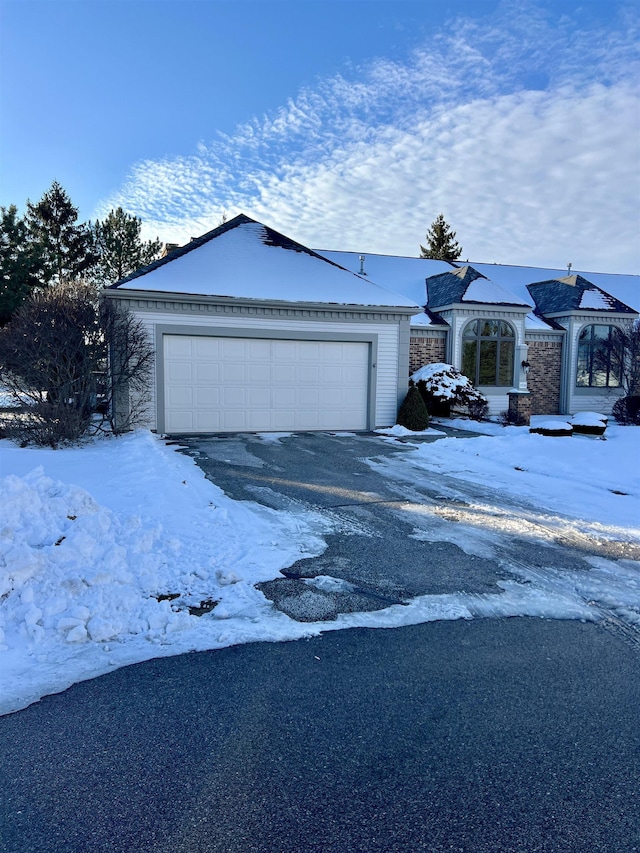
[[248, 384]]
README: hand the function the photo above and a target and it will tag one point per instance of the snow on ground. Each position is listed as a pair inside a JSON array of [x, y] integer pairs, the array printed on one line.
[[583, 477], [399, 431], [94, 541], [104, 548]]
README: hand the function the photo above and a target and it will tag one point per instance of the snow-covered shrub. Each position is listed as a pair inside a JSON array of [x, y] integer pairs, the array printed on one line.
[[413, 413], [589, 423], [626, 410], [442, 387], [552, 428]]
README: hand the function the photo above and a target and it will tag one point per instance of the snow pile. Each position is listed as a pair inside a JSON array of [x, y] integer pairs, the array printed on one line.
[[399, 431], [90, 582], [552, 427], [66, 567]]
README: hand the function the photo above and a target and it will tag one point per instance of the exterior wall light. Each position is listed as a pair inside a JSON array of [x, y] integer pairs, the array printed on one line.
[[526, 367]]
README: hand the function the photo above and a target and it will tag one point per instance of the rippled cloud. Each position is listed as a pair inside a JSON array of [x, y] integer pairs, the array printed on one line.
[[521, 130]]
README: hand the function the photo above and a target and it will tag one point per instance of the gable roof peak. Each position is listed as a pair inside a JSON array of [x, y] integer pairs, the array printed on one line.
[[468, 272]]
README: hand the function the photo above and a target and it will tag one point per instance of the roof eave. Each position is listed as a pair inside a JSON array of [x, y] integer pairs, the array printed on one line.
[[213, 299], [596, 312], [460, 306]]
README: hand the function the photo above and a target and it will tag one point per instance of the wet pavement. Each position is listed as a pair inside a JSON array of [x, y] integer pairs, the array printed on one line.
[[389, 534]]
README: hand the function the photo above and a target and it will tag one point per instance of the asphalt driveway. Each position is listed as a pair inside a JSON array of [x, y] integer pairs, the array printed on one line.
[[374, 540], [371, 546]]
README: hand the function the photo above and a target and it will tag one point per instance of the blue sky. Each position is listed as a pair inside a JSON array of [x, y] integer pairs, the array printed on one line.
[[346, 125]]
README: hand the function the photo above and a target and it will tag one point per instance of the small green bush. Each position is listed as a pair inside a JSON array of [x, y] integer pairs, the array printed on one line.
[[413, 413]]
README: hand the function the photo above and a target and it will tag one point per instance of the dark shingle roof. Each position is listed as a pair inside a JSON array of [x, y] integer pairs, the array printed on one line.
[[450, 287], [466, 284], [568, 294]]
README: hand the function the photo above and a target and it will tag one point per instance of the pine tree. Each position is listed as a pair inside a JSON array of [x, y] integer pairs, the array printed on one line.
[[413, 413], [19, 263], [118, 246], [63, 244], [442, 242]]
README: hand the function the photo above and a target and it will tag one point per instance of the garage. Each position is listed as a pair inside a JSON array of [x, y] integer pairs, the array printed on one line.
[[227, 384], [253, 332]]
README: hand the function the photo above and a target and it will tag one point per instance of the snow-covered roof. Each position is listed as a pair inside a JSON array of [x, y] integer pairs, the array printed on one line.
[[467, 285], [404, 275], [624, 288], [571, 293], [533, 323], [245, 259], [408, 275]]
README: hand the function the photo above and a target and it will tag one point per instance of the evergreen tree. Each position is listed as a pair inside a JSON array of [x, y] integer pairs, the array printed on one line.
[[118, 247], [19, 263], [442, 242], [413, 413], [63, 244]]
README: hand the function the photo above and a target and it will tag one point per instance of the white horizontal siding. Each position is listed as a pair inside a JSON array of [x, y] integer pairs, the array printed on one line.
[[386, 373]]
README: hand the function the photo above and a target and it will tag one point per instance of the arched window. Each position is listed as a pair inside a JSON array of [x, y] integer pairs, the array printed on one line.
[[600, 357], [488, 348]]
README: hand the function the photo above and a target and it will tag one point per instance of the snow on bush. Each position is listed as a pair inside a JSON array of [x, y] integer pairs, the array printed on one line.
[[589, 419], [441, 383]]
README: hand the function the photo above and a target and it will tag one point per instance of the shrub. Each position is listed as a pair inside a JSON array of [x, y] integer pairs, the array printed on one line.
[[413, 413], [478, 410], [54, 355], [443, 386], [626, 410], [508, 418]]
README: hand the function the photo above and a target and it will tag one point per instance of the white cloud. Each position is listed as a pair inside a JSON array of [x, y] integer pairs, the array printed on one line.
[[523, 134]]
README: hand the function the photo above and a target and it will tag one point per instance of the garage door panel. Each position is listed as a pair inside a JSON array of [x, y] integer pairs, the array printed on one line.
[[207, 421], [207, 349], [180, 397], [308, 374], [233, 373], [206, 373], [284, 398], [259, 374], [259, 350], [309, 419], [261, 398], [331, 374], [235, 398], [284, 374], [180, 371], [243, 384], [283, 350], [207, 397], [178, 347], [309, 397]]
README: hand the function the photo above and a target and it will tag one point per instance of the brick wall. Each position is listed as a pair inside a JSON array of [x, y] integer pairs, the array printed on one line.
[[425, 351], [545, 358]]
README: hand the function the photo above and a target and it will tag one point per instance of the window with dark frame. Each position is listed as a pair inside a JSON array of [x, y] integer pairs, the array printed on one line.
[[488, 348], [600, 357]]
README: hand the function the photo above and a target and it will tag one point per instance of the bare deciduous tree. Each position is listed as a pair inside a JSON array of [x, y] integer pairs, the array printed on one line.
[[67, 358]]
